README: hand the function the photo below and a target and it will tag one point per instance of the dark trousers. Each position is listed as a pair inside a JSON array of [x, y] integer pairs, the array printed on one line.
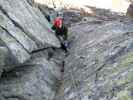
[[63, 43]]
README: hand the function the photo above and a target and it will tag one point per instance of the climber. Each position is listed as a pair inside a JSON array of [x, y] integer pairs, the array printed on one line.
[[60, 31]]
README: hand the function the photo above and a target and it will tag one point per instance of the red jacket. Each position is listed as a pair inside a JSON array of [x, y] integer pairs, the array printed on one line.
[[58, 22]]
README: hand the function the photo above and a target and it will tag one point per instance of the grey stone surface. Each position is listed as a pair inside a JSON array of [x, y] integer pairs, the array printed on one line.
[[27, 19], [18, 34], [25, 40], [3, 58], [17, 50], [36, 80], [99, 66]]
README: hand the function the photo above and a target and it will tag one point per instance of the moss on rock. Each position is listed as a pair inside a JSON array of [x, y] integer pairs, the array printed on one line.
[[127, 59], [124, 95]]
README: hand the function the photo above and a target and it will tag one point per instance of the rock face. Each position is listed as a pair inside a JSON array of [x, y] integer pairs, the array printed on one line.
[[99, 66], [25, 18], [24, 33], [35, 81]]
